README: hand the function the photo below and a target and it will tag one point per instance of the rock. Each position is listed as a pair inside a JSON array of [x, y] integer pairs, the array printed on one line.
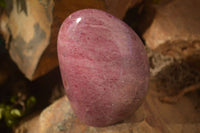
[[175, 27], [174, 41], [105, 65], [152, 117], [173, 74], [30, 127], [115, 6], [26, 27], [30, 29], [158, 61]]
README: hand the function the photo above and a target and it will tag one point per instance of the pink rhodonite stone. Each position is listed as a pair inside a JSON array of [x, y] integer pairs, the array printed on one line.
[[103, 65]]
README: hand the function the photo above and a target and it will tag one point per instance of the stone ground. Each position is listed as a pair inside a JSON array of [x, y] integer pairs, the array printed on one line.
[[170, 30], [152, 117]]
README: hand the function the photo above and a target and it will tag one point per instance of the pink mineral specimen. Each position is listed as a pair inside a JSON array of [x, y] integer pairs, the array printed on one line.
[[104, 67]]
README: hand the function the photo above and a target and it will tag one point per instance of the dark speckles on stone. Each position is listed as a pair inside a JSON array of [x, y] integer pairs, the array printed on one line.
[[46, 4], [20, 45], [22, 6], [39, 35]]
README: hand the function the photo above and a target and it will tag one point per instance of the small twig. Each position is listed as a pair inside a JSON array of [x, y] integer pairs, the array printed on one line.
[[174, 99]]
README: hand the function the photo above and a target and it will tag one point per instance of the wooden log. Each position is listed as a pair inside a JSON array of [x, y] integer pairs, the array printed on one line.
[[30, 29]]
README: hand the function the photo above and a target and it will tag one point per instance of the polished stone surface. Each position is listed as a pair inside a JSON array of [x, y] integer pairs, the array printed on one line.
[[103, 65]]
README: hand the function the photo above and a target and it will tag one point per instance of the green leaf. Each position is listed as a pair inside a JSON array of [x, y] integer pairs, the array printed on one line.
[[1, 113], [2, 109], [30, 102], [16, 113], [9, 119], [7, 112], [10, 122], [13, 99]]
